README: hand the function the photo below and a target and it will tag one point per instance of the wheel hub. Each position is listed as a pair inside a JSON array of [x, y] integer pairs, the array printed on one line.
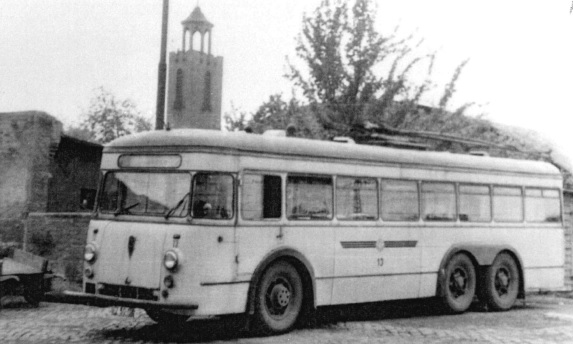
[[280, 296], [458, 282], [502, 281]]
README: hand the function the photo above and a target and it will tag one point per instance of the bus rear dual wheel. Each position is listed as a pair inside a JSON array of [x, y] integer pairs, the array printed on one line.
[[278, 299], [499, 287]]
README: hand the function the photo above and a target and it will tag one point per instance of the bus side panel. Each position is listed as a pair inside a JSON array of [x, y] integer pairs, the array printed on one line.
[[375, 263], [206, 275], [437, 239], [539, 279], [543, 268], [314, 243], [543, 253]]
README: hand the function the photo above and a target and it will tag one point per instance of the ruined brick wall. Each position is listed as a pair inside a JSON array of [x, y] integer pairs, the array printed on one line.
[[26, 140], [59, 237], [568, 222]]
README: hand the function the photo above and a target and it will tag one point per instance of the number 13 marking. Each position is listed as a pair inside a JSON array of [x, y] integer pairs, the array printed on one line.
[[380, 261]]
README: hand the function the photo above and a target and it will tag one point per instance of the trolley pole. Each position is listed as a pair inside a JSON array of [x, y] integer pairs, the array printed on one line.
[[162, 73]]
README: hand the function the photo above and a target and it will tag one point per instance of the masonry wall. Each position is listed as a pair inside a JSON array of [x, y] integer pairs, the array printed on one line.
[[568, 222], [194, 65], [26, 140], [61, 238], [45, 177]]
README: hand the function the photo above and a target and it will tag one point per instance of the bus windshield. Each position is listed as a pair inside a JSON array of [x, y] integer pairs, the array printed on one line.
[[145, 193]]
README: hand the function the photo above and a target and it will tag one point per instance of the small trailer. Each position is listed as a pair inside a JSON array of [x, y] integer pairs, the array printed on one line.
[[25, 274]]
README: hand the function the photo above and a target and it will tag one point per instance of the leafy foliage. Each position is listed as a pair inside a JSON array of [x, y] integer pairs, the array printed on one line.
[[108, 118], [351, 75], [276, 113], [343, 54], [235, 120], [340, 73]]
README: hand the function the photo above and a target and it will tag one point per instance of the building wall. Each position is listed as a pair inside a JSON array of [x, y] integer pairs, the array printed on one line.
[[75, 174], [194, 66], [568, 222], [61, 238], [42, 170], [26, 141]]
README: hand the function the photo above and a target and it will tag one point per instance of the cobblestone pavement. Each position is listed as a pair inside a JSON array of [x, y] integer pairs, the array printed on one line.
[[543, 319]]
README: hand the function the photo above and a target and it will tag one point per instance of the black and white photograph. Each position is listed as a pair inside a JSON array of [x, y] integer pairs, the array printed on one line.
[[286, 171]]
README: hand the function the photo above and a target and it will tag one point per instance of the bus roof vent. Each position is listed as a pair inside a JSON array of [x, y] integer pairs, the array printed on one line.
[[479, 153], [343, 139]]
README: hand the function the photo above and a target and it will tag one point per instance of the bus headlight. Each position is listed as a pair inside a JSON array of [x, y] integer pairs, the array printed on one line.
[[90, 253], [170, 260]]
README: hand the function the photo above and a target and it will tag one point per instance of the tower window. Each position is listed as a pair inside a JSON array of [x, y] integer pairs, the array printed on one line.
[[207, 94], [178, 103]]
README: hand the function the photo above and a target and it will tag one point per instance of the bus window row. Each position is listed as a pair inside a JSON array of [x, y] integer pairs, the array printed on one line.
[[355, 198], [312, 197]]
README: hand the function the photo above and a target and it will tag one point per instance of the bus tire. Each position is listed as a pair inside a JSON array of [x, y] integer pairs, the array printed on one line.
[[278, 299], [502, 279], [459, 285]]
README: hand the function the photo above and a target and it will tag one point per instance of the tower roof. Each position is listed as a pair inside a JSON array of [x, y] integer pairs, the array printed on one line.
[[197, 18]]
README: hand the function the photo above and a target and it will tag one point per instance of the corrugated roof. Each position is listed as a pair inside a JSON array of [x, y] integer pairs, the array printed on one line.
[[240, 142]]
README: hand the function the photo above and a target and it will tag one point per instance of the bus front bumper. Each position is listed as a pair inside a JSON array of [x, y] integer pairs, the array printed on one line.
[[80, 298]]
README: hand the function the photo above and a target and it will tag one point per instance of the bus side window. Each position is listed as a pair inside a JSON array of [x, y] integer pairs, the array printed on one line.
[[309, 197], [438, 201], [356, 198], [213, 196], [110, 195], [475, 203], [542, 205], [507, 204], [399, 200], [261, 197]]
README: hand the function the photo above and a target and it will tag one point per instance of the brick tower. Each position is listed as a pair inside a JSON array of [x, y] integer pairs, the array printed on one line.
[[195, 78]]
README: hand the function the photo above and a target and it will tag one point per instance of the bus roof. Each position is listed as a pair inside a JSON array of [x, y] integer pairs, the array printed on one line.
[[243, 143]]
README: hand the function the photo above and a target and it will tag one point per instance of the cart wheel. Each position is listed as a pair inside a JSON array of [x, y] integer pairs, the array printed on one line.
[[32, 290], [32, 296]]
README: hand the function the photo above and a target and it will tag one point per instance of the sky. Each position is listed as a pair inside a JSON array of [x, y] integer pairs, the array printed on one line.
[[55, 53]]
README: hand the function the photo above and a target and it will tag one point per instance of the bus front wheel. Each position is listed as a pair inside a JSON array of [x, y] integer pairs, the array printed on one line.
[[279, 299], [501, 283], [459, 285]]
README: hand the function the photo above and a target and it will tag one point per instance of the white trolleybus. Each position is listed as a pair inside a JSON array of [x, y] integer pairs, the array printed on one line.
[[195, 223]]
